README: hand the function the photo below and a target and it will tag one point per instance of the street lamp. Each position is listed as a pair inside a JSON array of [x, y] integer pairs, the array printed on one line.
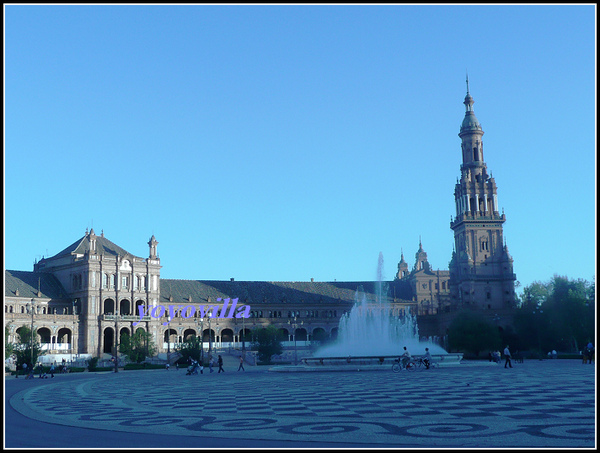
[[116, 343], [243, 336], [74, 301], [202, 340], [32, 302], [209, 335], [538, 311], [294, 326], [168, 339]]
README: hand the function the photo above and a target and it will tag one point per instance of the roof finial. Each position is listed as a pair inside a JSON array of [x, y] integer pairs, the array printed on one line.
[[467, 83]]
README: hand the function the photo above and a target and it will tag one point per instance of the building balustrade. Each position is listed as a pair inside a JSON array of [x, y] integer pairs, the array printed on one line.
[[55, 347], [124, 318], [42, 316]]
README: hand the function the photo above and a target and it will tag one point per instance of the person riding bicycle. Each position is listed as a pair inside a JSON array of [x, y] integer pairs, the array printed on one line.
[[427, 359], [405, 357]]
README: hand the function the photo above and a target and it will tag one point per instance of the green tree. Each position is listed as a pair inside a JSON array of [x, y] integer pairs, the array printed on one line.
[[558, 314], [267, 341], [471, 332], [190, 349], [8, 347], [23, 348], [137, 347]]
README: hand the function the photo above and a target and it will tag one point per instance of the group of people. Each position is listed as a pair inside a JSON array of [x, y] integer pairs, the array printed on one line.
[[405, 358], [195, 366], [30, 371]]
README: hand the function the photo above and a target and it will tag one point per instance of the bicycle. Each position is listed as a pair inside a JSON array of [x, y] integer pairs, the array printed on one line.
[[398, 366]]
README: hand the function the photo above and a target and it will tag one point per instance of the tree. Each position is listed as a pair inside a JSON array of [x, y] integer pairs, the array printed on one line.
[[558, 314], [8, 347], [23, 348], [267, 341], [471, 332], [138, 347], [190, 349]]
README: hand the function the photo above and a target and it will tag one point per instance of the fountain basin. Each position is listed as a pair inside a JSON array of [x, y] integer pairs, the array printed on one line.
[[360, 363]]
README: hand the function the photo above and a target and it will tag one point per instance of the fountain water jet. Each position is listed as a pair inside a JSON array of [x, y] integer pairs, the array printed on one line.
[[371, 330]]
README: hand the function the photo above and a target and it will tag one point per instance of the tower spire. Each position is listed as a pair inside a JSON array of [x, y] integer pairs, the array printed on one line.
[[467, 83]]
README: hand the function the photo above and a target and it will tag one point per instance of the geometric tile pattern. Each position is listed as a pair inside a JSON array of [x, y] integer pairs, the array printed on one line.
[[535, 404]]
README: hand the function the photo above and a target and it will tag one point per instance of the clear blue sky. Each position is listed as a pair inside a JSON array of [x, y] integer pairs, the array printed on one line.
[[281, 143]]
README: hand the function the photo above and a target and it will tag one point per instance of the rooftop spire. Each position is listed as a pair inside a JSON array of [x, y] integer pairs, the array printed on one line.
[[467, 83]]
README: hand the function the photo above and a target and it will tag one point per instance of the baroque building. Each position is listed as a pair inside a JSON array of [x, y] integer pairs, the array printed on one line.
[[481, 269], [84, 298]]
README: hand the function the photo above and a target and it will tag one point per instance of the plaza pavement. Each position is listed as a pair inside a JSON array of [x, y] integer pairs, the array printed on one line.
[[537, 404]]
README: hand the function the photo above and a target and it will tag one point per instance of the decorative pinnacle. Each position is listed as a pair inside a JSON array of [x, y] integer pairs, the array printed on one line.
[[467, 83]]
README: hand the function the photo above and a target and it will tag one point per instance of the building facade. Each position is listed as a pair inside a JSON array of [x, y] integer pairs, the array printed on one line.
[[83, 299], [481, 269]]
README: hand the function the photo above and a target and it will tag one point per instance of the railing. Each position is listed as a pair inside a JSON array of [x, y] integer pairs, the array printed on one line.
[[124, 318], [55, 346]]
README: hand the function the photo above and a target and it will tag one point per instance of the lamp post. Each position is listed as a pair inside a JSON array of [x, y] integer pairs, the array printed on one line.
[[537, 328], [116, 343], [168, 340], [32, 302], [294, 326], [74, 300], [243, 336], [209, 336], [202, 340]]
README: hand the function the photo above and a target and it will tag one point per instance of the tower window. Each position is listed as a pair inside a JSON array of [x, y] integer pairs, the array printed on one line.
[[475, 154]]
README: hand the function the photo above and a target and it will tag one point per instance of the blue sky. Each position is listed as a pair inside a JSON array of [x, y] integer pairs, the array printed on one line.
[[284, 143]]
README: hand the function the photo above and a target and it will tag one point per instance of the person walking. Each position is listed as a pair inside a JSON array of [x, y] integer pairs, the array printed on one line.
[[220, 362], [590, 352], [52, 370], [507, 357], [241, 367]]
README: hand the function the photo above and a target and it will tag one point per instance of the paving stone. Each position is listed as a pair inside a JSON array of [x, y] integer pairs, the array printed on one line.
[[536, 404]]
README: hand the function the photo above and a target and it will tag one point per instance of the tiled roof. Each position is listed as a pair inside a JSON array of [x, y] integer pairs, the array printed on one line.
[[27, 285], [103, 247], [304, 293]]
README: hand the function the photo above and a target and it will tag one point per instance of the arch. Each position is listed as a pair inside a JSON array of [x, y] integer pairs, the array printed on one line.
[[226, 335], [170, 334], [334, 333], [109, 307], [205, 336], [283, 334], [188, 334], [319, 334], [125, 307], [301, 334], [108, 342], [64, 335], [122, 331], [139, 303], [245, 335], [44, 334]]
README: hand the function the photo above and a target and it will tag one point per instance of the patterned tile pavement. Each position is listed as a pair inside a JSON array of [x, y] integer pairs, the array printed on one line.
[[535, 404]]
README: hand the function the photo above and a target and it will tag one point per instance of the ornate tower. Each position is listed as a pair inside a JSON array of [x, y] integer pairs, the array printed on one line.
[[481, 269]]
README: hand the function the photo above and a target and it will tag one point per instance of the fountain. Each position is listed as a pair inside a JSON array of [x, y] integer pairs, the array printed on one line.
[[369, 336]]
